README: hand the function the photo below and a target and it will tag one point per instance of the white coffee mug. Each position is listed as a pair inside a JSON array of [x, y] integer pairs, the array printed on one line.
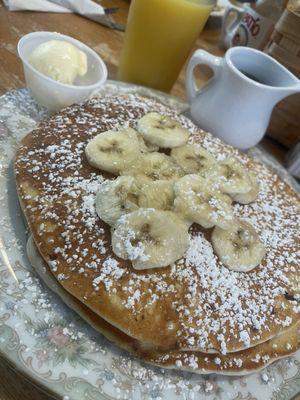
[[236, 103], [254, 30]]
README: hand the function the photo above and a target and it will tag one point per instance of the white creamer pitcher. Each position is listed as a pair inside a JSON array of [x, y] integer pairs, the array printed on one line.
[[236, 103]]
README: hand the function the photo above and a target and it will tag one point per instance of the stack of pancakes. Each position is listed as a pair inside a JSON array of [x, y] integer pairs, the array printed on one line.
[[195, 315]]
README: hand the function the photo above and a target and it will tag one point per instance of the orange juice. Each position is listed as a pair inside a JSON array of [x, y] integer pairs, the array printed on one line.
[[159, 37]]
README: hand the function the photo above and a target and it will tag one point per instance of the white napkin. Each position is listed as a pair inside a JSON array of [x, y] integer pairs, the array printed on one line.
[[86, 8], [34, 5]]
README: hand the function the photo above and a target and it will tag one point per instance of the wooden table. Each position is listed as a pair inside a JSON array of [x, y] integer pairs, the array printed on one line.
[[106, 42]]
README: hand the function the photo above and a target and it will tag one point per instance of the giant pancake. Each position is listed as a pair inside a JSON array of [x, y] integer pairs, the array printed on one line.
[[196, 304]]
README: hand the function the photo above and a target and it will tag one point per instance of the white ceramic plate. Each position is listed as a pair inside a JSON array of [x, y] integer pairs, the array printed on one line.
[[53, 347]]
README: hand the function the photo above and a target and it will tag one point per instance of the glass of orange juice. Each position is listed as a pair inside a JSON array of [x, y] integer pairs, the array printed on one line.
[[158, 39]]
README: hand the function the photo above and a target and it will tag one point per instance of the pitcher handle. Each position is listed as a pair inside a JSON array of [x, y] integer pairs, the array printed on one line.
[[198, 58]]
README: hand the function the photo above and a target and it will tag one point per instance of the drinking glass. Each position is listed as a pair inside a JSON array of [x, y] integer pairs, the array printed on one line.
[[159, 37]]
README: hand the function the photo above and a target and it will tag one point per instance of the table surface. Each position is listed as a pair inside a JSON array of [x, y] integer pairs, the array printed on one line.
[[107, 43]]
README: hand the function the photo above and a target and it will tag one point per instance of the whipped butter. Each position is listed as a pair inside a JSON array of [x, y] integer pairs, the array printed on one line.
[[59, 60]]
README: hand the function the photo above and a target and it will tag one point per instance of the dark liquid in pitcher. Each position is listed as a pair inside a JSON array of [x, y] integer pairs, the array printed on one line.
[[253, 77]]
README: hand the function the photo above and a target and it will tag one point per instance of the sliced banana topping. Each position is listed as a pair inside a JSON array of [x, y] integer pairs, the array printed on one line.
[[157, 194], [197, 202], [157, 197], [239, 247], [230, 176], [116, 198], [249, 197], [162, 131], [146, 147], [113, 151], [193, 158], [153, 167], [150, 238]]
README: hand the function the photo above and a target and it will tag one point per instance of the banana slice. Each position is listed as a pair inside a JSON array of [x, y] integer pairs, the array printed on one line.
[[239, 247], [230, 176], [162, 131], [196, 202], [157, 194], [113, 151], [193, 158], [146, 147], [116, 198], [153, 167], [150, 238], [249, 197]]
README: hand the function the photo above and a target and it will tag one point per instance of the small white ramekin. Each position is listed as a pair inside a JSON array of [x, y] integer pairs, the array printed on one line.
[[50, 93]]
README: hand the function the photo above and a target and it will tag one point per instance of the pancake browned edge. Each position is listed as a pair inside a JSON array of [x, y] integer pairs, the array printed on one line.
[[195, 304], [251, 360]]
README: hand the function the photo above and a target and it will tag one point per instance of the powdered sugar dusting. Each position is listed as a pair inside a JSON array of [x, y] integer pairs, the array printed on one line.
[[215, 306]]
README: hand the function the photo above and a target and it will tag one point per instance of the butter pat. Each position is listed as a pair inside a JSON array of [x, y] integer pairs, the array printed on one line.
[[59, 60]]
